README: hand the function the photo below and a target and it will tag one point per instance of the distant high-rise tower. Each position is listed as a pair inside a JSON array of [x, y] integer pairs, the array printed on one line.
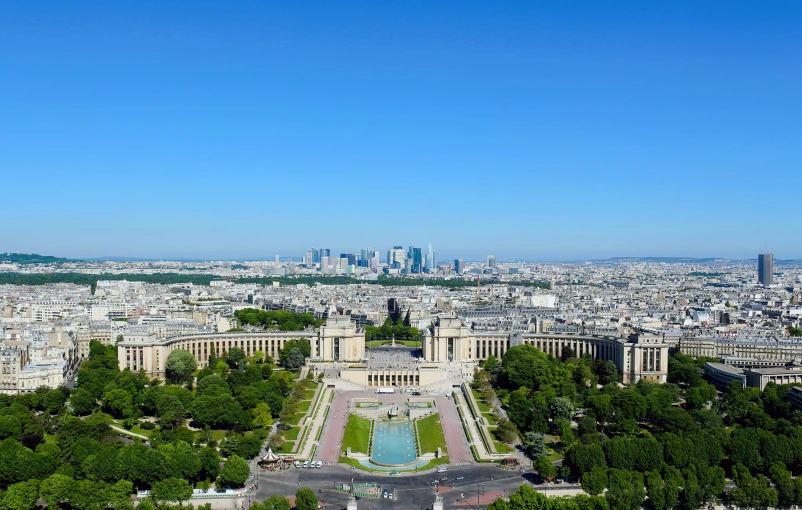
[[765, 269], [416, 256], [491, 261], [395, 257], [459, 266], [431, 264]]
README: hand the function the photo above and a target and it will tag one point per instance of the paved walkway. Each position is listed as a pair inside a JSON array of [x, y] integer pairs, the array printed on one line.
[[128, 433], [332, 437]]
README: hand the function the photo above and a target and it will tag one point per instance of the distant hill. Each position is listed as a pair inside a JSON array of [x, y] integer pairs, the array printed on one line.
[[668, 260], [29, 258]]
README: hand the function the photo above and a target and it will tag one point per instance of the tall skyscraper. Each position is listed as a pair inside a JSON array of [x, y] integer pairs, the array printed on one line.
[[315, 255], [431, 264], [459, 266], [308, 259], [395, 257], [415, 255], [765, 269], [491, 261], [325, 252]]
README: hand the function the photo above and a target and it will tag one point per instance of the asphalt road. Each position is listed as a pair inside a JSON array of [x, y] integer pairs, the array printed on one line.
[[411, 491]]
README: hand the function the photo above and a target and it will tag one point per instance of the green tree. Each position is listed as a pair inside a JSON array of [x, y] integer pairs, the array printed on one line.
[[535, 444], [626, 490], [294, 360], [216, 412], [10, 426], [235, 471], [210, 463], [781, 478], [262, 418], [171, 412], [276, 502], [55, 488], [82, 402], [584, 457], [526, 498], [171, 489], [526, 366], [22, 495], [607, 372], [118, 403], [545, 468], [563, 429], [562, 409], [180, 366], [673, 483], [656, 490], [595, 481], [54, 401], [305, 499], [506, 431], [235, 356]]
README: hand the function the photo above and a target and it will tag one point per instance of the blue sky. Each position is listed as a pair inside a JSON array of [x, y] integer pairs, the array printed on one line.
[[566, 130]]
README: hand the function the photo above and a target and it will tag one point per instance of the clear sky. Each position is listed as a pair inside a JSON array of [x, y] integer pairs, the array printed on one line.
[[565, 130]]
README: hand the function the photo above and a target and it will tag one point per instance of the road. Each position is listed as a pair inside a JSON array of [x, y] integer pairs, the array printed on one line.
[[411, 491]]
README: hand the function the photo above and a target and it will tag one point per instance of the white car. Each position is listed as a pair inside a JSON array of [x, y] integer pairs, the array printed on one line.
[[319, 464], [441, 470], [306, 464], [297, 464]]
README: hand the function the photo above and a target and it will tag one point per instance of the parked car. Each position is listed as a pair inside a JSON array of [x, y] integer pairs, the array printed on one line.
[[319, 464], [385, 493], [306, 464], [459, 478], [297, 464]]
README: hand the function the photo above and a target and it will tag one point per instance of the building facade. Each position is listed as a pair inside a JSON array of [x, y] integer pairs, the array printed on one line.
[[448, 343], [765, 269]]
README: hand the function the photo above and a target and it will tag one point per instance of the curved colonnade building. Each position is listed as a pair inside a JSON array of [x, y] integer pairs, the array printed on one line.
[[446, 346]]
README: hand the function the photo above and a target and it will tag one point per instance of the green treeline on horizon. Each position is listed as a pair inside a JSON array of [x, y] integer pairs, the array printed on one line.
[[205, 279]]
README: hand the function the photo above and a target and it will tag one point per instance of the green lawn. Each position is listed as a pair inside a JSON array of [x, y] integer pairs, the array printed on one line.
[[356, 434], [291, 434], [309, 394], [502, 448], [297, 419], [304, 406], [491, 420], [142, 432], [430, 434], [217, 435], [483, 407]]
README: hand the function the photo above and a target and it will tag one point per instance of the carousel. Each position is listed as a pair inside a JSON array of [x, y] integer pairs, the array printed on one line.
[[272, 462]]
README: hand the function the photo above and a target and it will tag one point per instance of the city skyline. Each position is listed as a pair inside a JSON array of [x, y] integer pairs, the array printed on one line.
[[541, 132]]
